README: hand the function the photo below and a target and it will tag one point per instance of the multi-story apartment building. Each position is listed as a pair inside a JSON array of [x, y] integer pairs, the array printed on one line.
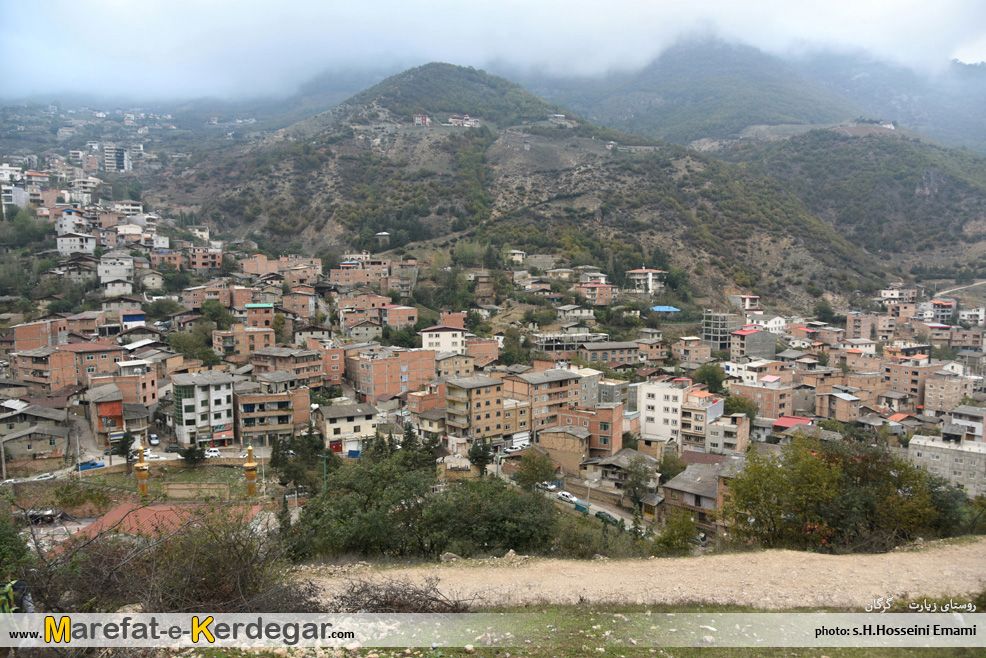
[[698, 409], [237, 343], [728, 434], [389, 372], [44, 333], [645, 281], [473, 411], [652, 351], [205, 258], [603, 421], [717, 327], [691, 349], [449, 364], [302, 304], [275, 406], [444, 339], [93, 359], [943, 391], [397, 316], [136, 380], [597, 294], [547, 392], [752, 343], [305, 366], [773, 397], [962, 463], [259, 315], [908, 375], [204, 408], [659, 405], [45, 369]]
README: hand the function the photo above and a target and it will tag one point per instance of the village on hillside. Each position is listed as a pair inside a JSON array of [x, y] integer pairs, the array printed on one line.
[[187, 341]]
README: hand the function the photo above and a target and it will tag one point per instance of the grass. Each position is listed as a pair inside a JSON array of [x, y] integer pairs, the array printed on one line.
[[177, 472]]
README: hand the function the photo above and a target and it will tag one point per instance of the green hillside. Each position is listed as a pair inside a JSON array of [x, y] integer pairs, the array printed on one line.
[[886, 194]]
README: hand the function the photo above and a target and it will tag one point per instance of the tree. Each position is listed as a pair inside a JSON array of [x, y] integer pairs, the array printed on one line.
[[228, 266], [193, 454], [711, 375], [674, 538], [14, 553], [824, 312], [480, 455], [638, 477], [534, 468], [215, 312], [670, 466], [735, 404]]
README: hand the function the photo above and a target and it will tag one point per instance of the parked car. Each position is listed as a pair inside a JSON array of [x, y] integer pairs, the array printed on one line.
[[546, 486], [91, 464], [13, 481], [212, 452], [154, 441], [134, 455], [606, 517], [700, 540], [46, 476], [567, 497], [173, 447]]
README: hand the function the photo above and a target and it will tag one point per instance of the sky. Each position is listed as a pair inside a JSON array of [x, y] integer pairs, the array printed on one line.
[[249, 48]]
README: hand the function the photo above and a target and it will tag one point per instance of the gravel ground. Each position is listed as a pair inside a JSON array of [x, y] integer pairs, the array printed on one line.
[[766, 579]]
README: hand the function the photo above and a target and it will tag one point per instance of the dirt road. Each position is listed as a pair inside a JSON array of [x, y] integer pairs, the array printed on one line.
[[767, 579]]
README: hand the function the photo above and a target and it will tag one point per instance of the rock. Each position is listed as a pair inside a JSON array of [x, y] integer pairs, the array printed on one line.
[[510, 554], [597, 556], [449, 557], [708, 639], [133, 608], [469, 648]]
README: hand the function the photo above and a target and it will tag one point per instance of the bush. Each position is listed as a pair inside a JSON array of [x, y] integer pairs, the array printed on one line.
[[582, 537], [674, 538]]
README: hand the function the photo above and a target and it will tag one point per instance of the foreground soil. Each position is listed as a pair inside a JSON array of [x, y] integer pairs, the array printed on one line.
[[764, 579]]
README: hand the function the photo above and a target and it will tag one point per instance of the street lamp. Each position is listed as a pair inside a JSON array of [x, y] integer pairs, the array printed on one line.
[[589, 483]]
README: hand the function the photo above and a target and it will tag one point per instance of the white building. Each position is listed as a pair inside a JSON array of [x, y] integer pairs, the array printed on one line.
[[963, 463], [203, 407], [645, 281], [444, 339], [76, 243], [115, 266], [659, 404]]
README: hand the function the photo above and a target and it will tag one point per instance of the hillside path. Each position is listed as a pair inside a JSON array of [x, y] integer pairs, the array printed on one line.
[[764, 579]]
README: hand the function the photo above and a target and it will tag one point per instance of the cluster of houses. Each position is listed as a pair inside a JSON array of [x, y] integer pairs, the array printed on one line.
[[300, 336]]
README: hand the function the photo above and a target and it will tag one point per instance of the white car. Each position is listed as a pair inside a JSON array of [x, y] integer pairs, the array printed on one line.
[[212, 452], [46, 476], [14, 481], [546, 486], [567, 497]]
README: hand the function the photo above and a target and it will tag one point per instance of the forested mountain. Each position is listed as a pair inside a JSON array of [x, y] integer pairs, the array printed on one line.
[[883, 191]]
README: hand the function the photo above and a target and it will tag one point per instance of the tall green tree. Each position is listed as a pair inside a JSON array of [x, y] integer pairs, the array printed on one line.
[[535, 468], [480, 455], [638, 477]]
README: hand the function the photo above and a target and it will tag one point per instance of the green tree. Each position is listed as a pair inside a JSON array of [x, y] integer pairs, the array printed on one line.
[[15, 557], [193, 454], [638, 474], [480, 455], [228, 265], [674, 537], [824, 312], [670, 466], [218, 314], [534, 468], [711, 375], [735, 404]]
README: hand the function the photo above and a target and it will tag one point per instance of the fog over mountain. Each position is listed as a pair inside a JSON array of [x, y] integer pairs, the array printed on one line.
[[189, 48]]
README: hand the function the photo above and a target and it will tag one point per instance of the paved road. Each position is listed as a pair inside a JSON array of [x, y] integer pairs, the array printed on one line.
[[971, 285]]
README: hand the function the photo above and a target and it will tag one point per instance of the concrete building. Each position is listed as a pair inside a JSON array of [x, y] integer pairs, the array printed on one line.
[[239, 342], [659, 404], [473, 411], [347, 427], [444, 339], [306, 365], [773, 397], [645, 281], [204, 408], [383, 374], [275, 406], [717, 327], [547, 392], [752, 343], [962, 463]]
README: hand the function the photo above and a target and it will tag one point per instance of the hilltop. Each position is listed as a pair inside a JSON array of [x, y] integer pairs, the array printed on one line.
[[561, 187]]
